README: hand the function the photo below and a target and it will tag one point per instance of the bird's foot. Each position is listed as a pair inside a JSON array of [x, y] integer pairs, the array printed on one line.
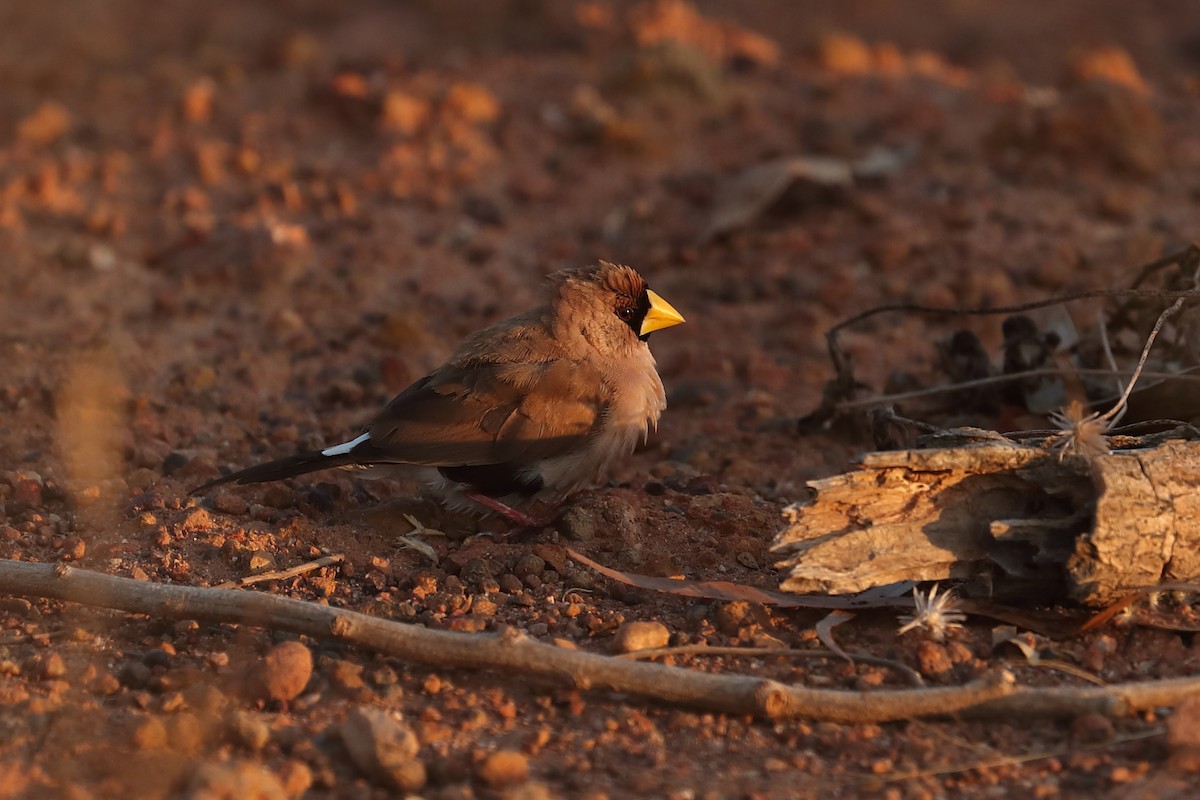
[[522, 518]]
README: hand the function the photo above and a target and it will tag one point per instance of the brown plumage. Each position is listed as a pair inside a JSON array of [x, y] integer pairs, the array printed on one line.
[[535, 406]]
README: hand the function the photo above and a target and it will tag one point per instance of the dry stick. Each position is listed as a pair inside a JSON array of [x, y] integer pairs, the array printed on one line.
[[1155, 425], [1102, 326], [1186, 257], [1114, 700], [994, 380], [513, 652], [1183, 258], [908, 672], [835, 352], [1064, 667], [282, 574], [993, 695], [1119, 408]]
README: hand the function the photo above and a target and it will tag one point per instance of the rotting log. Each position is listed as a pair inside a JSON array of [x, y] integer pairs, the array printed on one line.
[[1012, 516]]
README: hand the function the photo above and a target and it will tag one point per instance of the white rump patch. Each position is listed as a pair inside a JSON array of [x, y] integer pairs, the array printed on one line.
[[345, 447]]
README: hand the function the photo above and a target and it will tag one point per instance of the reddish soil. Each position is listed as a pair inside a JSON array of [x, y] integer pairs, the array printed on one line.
[[229, 231]]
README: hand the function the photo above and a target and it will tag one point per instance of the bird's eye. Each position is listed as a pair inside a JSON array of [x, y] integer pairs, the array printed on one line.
[[626, 312]]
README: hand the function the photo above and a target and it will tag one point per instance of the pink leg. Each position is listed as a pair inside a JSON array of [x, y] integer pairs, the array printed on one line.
[[503, 509], [515, 515]]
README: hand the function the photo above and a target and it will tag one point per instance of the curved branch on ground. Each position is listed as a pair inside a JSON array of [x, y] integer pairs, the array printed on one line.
[[514, 652]]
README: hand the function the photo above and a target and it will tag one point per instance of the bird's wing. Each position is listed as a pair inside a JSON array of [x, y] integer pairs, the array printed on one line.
[[479, 411]]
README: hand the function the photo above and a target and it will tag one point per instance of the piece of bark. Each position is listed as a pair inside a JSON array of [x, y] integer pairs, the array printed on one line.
[[1147, 523], [1016, 517]]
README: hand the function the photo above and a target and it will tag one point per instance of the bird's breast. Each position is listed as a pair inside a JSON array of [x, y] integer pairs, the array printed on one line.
[[635, 401]]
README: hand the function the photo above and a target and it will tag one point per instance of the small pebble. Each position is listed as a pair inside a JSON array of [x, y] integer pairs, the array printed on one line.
[[226, 780], [529, 564], [297, 778], [134, 675], [483, 605], [150, 734], [503, 768], [51, 666], [105, 683], [197, 521], [384, 676], [933, 661], [730, 617], [510, 583], [249, 730], [634, 636], [174, 462], [1092, 728], [346, 676], [579, 523], [285, 671], [206, 699], [1183, 735], [383, 748], [260, 561], [185, 732], [230, 502]]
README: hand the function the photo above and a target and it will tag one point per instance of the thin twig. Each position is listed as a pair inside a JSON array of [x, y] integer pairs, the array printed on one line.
[[824, 630], [994, 380], [282, 574], [916, 308], [1164, 426], [1102, 326], [908, 672], [1188, 257], [1064, 667], [1010, 761], [1183, 258], [1115, 700], [1171, 425], [1119, 408]]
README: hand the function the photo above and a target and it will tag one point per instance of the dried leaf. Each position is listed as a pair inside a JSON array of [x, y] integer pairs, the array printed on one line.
[[421, 547], [749, 194], [825, 627], [1058, 624]]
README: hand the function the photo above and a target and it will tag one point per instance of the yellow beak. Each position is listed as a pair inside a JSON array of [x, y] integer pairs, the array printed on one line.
[[661, 315]]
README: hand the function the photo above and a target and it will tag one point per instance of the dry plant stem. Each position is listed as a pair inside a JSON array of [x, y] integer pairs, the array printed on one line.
[[839, 361], [731, 694], [1119, 409], [283, 574], [1102, 326], [1187, 258], [908, 672], [1064, 667], [998, 380]]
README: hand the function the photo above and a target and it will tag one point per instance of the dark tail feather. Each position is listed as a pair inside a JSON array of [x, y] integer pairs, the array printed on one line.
[[289, 467]]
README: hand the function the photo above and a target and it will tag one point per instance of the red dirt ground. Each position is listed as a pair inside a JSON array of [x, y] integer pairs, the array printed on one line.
[[229, 231]]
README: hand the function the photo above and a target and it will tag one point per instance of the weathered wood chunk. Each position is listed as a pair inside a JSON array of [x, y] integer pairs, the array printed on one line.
[[1016, 519]]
